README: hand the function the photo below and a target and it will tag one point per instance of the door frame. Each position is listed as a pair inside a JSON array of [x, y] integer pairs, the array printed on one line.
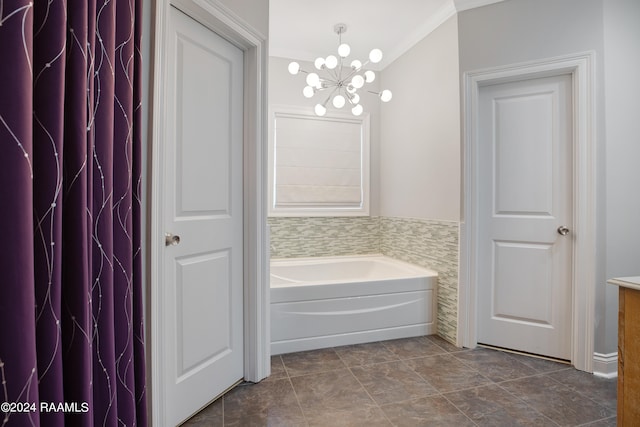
[[224, 22], [581, 69]]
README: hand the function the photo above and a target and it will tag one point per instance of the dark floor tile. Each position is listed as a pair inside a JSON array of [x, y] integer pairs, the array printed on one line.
[[540, 364], [602, 390], [277, 369], [353, 417], [493, 406], [433, 411], [309, 362], [414, 347], [211, 416], [446, 373], [495, 365], [330, 392], [444, 344], [607, 422], [557, 401], [268, 403], [392, 382], [365, 354], [408, 390]]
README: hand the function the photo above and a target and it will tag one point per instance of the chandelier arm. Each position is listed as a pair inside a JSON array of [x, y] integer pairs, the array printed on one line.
[[329, 83], [334, 74], [326, 101], [351, 74], [356, 71]]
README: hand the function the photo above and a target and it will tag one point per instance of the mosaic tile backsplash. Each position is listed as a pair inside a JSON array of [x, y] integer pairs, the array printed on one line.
[[427, 243], [295, 237], [433, 245]]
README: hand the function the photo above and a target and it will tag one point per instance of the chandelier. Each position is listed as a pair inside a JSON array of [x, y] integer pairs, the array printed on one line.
[[340, 81]]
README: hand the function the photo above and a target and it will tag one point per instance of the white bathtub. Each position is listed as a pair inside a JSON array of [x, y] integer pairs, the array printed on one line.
[[326, 302]]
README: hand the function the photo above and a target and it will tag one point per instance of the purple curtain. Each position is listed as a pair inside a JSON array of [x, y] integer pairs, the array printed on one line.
[[71, 321]]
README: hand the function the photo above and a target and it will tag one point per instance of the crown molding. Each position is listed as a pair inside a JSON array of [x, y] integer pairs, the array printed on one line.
[[461, 5], [440, 17], [449, 9]]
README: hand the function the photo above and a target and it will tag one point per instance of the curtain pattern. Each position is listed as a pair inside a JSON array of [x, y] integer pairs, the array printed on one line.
[[71, 321]]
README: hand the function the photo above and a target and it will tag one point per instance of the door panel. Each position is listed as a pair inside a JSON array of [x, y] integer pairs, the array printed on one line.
[[524, 177], [203, 206], [200, 304], [203, 94], [523, 154], [509, 284]]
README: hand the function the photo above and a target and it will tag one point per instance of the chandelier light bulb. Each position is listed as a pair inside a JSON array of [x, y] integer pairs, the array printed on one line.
[[338, 101], [355, 99], [357, 81], [313, 79], [319, 63], [294, 67], [356, 65], [344, 50], [375, 56], [320, 110], [331, 62], [369, 76], [351, 89], [308, 92], [386, 95], [357, 110]]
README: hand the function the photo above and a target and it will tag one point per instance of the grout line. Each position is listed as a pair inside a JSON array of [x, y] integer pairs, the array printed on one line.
[[524, 400], [460, 410], [587, 424], [377, 405], [344, 365], [295, 393], [579, 393]]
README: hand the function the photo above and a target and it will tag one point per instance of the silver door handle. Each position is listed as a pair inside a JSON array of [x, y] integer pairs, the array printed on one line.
[[171, 240], [562, 230]]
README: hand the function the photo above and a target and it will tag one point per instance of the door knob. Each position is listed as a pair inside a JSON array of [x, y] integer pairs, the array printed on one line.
[[562, 230], [171, 240]]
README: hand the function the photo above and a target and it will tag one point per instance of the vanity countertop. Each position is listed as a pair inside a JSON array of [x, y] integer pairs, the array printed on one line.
[[626, 282]]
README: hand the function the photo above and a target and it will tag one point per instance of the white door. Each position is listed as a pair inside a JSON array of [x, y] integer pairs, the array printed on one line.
[[525, 200], [203, 299]]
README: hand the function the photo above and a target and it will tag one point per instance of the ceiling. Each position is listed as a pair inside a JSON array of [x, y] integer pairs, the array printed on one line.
[[304, 29]]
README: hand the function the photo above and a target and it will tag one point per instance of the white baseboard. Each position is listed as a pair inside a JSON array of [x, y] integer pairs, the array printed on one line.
[[605, 365]]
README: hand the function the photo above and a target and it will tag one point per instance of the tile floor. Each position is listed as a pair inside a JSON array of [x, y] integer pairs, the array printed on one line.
[[413, 382]]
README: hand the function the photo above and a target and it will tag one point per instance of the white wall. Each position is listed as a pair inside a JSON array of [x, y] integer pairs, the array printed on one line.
[[622, 62], [420, 130], [285, 89], [523, 30], [253, 12]]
